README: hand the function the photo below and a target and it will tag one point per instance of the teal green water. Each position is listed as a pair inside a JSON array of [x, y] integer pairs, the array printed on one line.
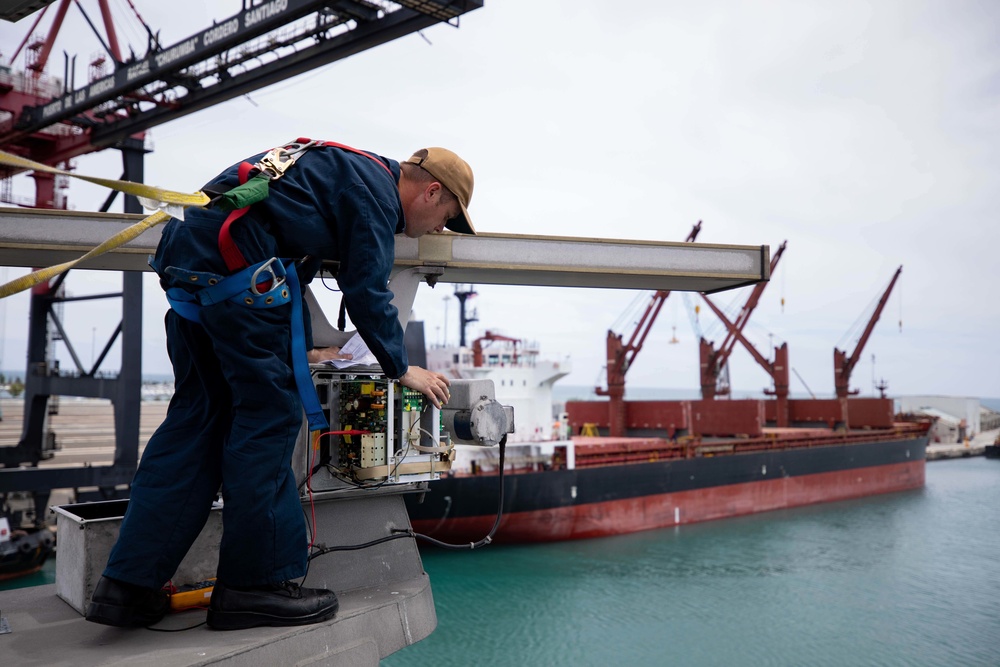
[[903, 579], [47, 575]]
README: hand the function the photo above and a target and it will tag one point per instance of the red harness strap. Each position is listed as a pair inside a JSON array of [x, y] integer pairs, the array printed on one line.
[[334, 144], [227, 246]]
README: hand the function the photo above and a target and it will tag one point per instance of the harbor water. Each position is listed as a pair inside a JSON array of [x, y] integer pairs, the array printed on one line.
[[902, 579]]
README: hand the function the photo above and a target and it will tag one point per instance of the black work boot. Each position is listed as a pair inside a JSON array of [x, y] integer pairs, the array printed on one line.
[[126, 605], [286, 603]]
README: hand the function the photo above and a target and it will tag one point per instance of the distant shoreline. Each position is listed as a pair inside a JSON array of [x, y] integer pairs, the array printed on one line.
[[562, 393]]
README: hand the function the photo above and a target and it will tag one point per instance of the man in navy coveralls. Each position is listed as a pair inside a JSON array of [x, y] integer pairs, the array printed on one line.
[[236, 412]]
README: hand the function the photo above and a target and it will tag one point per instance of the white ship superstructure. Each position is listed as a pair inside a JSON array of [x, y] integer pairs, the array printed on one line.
[[520, 377]]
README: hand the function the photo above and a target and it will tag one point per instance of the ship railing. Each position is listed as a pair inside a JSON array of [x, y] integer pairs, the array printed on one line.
[[516, 464], [596, 451], [621, 450]]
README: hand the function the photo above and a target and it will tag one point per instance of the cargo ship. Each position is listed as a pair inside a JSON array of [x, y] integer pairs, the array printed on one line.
[[594, 486], [615, 466]]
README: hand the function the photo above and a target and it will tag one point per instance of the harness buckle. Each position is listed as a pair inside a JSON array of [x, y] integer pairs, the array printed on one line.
[[278, 160], [273, 282]]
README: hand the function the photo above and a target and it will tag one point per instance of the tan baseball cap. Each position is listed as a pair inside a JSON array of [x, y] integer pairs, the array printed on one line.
[[455, 174]]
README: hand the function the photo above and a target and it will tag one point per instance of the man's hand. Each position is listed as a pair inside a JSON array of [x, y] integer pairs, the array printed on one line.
[[318, 354], [432, 385]]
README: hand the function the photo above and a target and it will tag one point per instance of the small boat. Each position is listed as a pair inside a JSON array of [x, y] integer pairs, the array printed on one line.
[[993, 451], [23, 551]]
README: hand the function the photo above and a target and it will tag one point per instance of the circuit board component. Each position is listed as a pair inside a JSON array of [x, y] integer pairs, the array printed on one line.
[[380, 433]]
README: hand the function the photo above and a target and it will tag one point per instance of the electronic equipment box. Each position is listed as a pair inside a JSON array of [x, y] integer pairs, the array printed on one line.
[[381, 433]]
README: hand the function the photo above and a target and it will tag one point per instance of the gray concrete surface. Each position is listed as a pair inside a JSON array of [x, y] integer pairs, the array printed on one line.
[[371, 623], [385, 597], [975, 446]]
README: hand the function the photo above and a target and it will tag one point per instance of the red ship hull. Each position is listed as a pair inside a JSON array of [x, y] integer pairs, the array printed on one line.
[[616, 499]]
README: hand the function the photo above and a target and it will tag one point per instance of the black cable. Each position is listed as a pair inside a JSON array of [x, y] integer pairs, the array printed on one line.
[[190, 627], [325, 550], [410, 532], [395, 536], [496, 524], [419, 536], [356, 547], [322, 280]]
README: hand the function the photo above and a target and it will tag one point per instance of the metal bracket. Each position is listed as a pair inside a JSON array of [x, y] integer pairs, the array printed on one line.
[[278, 160], [404, 287]]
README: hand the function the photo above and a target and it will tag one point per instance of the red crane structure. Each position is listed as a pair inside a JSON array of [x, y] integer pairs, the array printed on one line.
[[743, 418], [477, 346], [714, 361], [53, 120], [621, 356], [843, 365]]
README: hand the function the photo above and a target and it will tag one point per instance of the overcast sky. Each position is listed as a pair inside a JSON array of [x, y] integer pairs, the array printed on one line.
[[863, 133]]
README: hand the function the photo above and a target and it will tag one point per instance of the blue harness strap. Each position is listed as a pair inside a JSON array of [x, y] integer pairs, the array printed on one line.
[[300, 362], [280, 285]]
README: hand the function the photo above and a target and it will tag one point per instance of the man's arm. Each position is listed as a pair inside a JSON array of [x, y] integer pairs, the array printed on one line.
[[366, 240]]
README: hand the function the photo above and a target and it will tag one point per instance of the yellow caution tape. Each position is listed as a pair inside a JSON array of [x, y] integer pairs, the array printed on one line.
[[46, 274], [128, 187], [168, 197]]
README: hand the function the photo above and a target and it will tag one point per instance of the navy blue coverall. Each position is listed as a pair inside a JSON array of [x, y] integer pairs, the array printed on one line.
[[235, 415]]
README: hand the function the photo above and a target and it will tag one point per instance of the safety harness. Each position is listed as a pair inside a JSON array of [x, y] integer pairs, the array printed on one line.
[[268, 284], [253, 189]]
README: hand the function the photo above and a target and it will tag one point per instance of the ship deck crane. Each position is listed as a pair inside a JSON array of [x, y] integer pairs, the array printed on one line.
[[621, 356], [843, 365], [478, 356], [713, 362]]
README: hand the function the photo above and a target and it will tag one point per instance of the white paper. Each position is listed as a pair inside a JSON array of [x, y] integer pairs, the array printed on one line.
[[360, 354]]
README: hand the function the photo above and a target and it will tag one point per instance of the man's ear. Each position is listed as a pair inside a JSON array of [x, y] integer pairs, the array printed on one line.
[[433, 190]]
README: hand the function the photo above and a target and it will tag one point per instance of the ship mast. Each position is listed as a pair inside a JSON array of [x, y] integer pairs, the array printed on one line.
[[462, 293]]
